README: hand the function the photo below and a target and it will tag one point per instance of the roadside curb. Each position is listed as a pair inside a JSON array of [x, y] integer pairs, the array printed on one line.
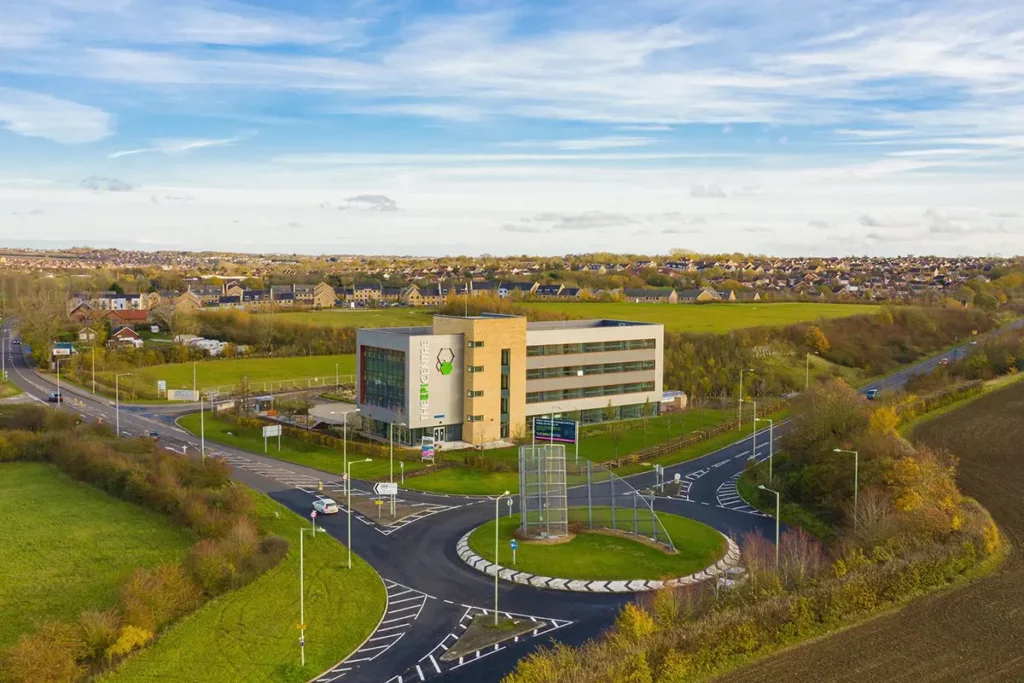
[[720, 568]]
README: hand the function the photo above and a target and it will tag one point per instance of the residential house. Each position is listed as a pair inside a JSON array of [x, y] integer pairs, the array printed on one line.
[[234, 289], [748, 296], [651, 296], [366, 292], [549, 291], [255, 297], [323, 296], [391, 294], [484, 288], [87, 334], [127, 318], [113, 301], [518, 289], [410, 296], [727, 295], [84, 312], [698, 295], [229, 301], [574, 292], [125, 336], [188, 302]]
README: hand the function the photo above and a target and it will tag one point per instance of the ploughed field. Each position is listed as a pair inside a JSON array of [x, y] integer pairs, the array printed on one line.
[[973, 633]]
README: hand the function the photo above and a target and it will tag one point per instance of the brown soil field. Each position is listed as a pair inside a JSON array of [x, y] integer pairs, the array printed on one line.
[[971, 633]]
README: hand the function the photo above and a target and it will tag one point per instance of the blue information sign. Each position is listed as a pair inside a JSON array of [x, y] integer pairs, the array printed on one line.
[[514, 544], [563, 431]]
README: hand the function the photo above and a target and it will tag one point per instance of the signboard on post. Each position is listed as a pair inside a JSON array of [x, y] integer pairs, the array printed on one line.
[[182, 395], [271, 430], [427, 448], [557, 430], [386, 488], [161, 386]]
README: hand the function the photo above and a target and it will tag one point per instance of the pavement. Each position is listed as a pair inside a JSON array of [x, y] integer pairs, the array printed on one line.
[[432, 592]]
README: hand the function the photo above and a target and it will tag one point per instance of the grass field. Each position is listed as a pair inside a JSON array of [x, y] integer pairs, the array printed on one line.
[[250, 635], [8, 389], [293, 450], [707, 317], [361, 317], [67, 547], [213, 373], [593, 556]]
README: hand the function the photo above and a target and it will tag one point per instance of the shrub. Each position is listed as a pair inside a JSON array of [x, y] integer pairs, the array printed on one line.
[[131, 638], [99, 631], [210, 567], [152, 598], [50, 655]]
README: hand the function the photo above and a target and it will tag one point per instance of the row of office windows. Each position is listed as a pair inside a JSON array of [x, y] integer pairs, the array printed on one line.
[[382, 377], [590, 347], [588, 392], [582, 370]]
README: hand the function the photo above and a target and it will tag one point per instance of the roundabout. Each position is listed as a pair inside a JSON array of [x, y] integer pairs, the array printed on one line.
[[602, 560]]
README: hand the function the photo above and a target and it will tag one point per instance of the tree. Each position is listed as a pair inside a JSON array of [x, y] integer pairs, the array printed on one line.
[[816, 340], [116, 288], [175, 320], [43, 315]]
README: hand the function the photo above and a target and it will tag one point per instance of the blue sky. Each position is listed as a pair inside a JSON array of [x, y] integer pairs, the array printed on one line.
[[776, 126]]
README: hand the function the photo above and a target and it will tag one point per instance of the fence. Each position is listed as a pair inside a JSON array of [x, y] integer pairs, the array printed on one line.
[[322, 382], [558, 496]]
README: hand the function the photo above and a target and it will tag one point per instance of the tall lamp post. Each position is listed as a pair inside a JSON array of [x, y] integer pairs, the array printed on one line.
[[194, 364], [202, 431], [739, 405], [348, 504], [807, 371], [856, 475], [777, 512], [59, 397], [391, 437], [753, 453], [344, 443], [117, 400], [497, 518], [771, 442], [302, 594]]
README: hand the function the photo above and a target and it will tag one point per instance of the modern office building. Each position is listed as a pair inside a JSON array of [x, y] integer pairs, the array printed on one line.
[[481, 379]]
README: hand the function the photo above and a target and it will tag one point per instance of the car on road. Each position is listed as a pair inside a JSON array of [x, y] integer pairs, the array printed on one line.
[[871, 394], [974, 342], [151, 434], [55, 397], [16, 342], [944, 361], [325, 506]]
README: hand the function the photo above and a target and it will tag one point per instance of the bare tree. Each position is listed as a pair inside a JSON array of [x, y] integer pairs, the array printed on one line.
[[176, 320], [42, 316]]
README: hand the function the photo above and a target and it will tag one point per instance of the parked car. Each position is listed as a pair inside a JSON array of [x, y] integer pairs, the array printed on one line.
[[871, 394], [55, 397], [325, 506]]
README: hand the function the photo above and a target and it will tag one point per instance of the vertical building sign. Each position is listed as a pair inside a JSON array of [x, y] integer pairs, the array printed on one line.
[[425, 362]]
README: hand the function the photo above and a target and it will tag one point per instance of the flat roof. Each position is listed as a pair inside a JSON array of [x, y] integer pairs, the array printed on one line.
[[537, 325]]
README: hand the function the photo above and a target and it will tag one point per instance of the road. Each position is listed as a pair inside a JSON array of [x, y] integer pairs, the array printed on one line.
[[431, 591]]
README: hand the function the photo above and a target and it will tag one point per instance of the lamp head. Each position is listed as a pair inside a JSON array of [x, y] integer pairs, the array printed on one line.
[[837, 450], [368, 460], [505, 494], [762, 487]]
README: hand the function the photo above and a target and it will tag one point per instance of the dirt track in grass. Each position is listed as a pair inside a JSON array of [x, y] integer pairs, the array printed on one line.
[[974, 633]]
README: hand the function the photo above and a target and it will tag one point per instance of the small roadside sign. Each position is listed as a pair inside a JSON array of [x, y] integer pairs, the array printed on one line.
[[301, 627], [378, 501], [313, 514], [514, 544], [386, 488]]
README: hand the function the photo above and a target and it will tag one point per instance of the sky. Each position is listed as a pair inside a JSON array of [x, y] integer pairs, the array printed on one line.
[[432, 127]]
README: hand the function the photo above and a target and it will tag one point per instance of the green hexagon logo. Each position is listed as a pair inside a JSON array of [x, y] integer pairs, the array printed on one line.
[[445, 361]]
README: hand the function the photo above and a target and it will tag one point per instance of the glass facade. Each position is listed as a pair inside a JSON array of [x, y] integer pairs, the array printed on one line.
[[582, 370], [608, 414], [588, 392], [382, 378], [411, 437], [591, 347]]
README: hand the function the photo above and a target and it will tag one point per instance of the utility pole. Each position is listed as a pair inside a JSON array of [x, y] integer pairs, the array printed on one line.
[[778, 511]]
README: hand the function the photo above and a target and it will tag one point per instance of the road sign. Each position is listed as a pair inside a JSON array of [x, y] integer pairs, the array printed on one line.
[[563, 431], [161, 386], [427, 448], [378, 501], [344, 477], [513, 544], [272, 430], [182, 395], [301, 627], [313, 514], [678, 477], [386, 488]]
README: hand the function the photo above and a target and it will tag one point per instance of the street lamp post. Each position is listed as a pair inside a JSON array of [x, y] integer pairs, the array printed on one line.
[[807, 372], [739, 404], [497, 517], [337, 379], [344, 442], [202, 431], [302, 594], [194, 363], [753, 453], [117, 400], [348, 504], [391, 436], [771, 442], [59, 397], [856, 476], [777, 512]]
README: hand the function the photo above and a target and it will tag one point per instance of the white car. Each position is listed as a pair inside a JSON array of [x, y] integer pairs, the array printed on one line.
[[325, 506]]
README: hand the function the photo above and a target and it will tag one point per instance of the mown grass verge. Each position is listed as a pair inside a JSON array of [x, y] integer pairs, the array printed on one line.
[[250, 634]]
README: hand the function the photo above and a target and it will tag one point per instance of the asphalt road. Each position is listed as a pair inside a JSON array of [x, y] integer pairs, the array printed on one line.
[[431, 590]]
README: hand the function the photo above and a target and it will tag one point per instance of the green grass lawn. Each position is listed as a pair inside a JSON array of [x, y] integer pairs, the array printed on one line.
[[250, 635], [361, 317], [67, 547], [707, 317], [593, 556], [293, 450], [465, 481], [213, 373], [8, 389]]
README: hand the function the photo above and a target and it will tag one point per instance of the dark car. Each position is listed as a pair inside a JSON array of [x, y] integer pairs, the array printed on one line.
[[871, 394], [55, 397], [150, 434]]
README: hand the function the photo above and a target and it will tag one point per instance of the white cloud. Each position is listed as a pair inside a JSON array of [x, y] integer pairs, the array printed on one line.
[[174, 146], [369, 202], [707, 191], [43, 116], [101, 184]]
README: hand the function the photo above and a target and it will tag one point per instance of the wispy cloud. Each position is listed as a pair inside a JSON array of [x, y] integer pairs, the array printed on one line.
[[585, 144], [43, 116], [174, 146]]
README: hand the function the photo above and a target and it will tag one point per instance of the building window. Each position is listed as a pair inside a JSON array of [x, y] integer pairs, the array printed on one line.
[[506, 357], [504, 430], [588, 392], [474, 394], [591, 347], [474, 344], [475, 368], [474, 418], [382, 377]]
